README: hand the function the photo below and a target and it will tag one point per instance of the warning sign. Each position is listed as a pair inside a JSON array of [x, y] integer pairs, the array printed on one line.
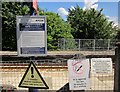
[[32, 78], [78, 70]]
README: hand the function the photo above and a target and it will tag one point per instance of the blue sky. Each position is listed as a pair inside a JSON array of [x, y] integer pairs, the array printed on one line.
[[110, 9]]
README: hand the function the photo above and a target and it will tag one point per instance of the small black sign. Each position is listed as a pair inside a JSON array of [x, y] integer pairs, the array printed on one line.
[[32, 26]]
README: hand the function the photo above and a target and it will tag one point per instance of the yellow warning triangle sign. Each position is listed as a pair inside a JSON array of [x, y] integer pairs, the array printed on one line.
[[32, 78]]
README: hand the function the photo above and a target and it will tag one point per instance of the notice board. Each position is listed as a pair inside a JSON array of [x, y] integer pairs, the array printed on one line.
[[101, 65], [31, 35]]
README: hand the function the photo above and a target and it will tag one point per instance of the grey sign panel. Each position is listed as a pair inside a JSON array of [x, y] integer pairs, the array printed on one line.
[[31, 35]]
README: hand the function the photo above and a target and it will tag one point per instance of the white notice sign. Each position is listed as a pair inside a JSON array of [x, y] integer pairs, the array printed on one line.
[[79, 74], [31, 35], [101, 65]]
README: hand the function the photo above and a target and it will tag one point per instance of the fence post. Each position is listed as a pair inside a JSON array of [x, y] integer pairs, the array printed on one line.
[[58, 44], [108, 44], [32, 89], [94, 45], [79, 44], [64, 43], [117, 68]]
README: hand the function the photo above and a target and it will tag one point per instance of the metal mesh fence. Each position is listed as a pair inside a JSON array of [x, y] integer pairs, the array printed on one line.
[[102, 81], [55, 73], [86, 44]]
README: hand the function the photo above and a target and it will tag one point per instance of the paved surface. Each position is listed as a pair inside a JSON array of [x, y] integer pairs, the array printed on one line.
[[66, 52]]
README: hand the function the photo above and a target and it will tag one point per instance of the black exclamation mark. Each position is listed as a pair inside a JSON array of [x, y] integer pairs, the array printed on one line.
[[32, 70]]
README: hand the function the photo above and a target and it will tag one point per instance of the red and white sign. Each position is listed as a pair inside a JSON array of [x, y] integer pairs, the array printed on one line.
[[79, 70]]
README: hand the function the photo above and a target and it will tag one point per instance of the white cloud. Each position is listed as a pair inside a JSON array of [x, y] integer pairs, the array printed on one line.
[[90, 4], [95, 6], [114, 19], [62, 11], [90, 1]]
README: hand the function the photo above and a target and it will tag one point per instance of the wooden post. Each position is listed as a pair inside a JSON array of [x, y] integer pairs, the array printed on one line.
[[117, 69]]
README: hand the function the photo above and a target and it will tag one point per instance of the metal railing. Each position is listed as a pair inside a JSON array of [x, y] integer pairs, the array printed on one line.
[[86, 44]]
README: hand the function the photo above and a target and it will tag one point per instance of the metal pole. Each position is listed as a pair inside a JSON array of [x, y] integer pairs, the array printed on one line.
[[108, 44], [94, 45], [58, 44], [64, 43], [117, 68], [79, 44], [32, 89]]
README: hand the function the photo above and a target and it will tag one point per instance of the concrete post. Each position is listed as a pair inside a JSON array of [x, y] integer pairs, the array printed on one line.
[[117, 69]]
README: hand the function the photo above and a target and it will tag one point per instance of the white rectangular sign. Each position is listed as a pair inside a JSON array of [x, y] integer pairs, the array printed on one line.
[[31, 35], [79, 77], [101, 65]]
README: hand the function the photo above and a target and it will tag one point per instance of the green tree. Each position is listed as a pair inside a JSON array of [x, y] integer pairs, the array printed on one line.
[[90, 24], [56, 28], [118, 33], [9, 12]]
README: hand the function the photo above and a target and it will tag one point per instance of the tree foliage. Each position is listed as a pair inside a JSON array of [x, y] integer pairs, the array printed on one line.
[[90, 24], [56, 28], [9, 12], [85, 24], [118, 33]]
